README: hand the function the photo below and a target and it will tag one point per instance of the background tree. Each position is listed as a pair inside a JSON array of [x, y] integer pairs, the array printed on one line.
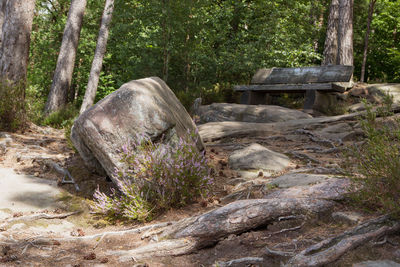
[[16, 36], [58, 95], [366, 39], [97, 64]]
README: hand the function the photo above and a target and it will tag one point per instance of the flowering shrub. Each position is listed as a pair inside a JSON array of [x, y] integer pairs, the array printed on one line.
[[156, 177]]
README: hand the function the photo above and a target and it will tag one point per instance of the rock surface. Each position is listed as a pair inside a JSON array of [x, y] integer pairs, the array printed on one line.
[[298, 179], [142, 107], [248, 113], [258, 158], [25, 193]]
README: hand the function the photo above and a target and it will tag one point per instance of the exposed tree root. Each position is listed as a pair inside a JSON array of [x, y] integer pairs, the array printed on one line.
[[331, 249], [194, 233]]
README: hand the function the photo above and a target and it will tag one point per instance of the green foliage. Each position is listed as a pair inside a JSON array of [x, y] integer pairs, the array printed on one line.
[[12, 105], [157, 177], [376, 162]]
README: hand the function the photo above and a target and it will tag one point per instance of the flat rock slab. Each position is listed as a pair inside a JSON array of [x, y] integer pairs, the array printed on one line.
[[383, 263], [298, 179], [25, 193], [258, 157], [217, 112], [327, 188]]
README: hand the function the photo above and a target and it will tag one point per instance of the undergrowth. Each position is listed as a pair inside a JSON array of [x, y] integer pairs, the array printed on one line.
[[375, 163], [157, 176], [12, 105]]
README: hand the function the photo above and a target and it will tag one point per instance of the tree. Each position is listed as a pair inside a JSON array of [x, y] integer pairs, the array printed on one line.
[[345, 33], [2, 13], [15, 39], [331, 40], [58, 95], [366, 39], [97, 63], [338, 48]]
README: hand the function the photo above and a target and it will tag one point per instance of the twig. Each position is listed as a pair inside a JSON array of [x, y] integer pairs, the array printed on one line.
[[64, 172]]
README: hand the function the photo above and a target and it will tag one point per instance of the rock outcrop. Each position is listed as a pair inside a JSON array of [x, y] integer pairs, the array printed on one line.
[[141, 107], [248, 113]]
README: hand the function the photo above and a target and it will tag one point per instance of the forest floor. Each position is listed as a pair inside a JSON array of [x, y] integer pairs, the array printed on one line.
[[30, 152]]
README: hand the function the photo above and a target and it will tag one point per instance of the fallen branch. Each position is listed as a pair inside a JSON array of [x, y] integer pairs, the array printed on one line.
[[64, 172], [331, 249]]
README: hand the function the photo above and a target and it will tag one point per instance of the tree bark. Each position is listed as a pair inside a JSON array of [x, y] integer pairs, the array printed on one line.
[[345, 33], [65, 63], [331, 41], [97, 63], [16, 36], [366, 39]]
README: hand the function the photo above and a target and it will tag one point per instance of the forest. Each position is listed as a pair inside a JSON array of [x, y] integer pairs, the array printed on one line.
[[123, 143], [202, 48]]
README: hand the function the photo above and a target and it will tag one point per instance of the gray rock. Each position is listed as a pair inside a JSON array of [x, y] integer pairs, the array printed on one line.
[[382, 263], [248, 113], [258, 158], [142, 107], [328, 188], [298, 179], [347, 217]]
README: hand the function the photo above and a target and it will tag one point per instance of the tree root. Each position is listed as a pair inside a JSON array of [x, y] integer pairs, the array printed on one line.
[[331, 249], [34, 217], [188, 235]]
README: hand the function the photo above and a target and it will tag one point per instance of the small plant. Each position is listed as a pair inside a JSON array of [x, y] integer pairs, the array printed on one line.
[[157, 177], [12, 105], [376, 162]]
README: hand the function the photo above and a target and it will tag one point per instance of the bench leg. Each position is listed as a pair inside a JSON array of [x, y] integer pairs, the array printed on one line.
[[309, 99]]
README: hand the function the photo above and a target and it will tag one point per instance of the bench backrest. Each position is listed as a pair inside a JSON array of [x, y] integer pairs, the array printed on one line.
[[304, 75]]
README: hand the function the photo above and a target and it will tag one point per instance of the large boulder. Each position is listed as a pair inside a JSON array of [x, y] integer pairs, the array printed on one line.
[[141, 107], [217, 112]]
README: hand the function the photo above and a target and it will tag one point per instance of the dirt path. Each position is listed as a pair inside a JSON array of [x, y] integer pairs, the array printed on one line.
[[83, 242]]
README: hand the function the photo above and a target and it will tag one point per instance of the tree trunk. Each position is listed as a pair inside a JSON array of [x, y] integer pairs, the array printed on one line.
[[97, 63], [366, 39], [65, 63], [345, 33], [16, 36], [331, 41], [2, 14]]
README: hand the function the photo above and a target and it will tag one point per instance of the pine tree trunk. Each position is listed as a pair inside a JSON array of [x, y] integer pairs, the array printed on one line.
[[366, 39], [331, 41], [66, 59], [97, 63], [345, 33], [16, 36]]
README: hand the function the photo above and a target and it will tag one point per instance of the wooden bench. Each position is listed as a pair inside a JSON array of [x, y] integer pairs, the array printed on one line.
[[330, 78]]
